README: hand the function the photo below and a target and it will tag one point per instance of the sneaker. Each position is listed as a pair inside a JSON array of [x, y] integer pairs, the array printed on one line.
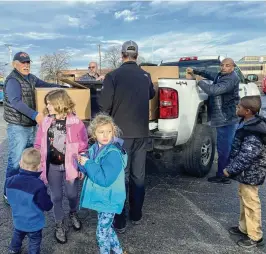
[[249, 243], [236, 231], [5, 200], [75, 221], [120, 230], [219, 179], [60, 233]]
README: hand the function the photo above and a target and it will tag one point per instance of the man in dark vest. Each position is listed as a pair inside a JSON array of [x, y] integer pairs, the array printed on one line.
[[20, 110]]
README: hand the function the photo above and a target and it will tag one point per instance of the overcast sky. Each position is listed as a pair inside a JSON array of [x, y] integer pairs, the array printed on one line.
[[164, 30]]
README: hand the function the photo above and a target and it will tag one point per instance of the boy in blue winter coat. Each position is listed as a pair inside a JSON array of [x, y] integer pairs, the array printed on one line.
[[247, 165], [28, 198], [104, 186]]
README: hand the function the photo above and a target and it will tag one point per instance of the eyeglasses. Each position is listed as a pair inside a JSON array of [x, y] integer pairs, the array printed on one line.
[[91, 67]]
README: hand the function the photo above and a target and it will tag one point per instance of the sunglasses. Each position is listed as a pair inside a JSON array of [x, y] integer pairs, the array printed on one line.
[[91, 67]]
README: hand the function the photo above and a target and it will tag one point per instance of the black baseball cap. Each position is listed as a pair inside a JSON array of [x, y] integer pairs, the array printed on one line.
[[21, 57]]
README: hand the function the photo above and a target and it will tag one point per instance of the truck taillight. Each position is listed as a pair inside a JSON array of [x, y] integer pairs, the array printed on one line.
[[168, 99]]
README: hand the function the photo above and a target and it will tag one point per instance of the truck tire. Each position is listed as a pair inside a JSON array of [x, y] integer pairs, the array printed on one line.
[[198, 153]]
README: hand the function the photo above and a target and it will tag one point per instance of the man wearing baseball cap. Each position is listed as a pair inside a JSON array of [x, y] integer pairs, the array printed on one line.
[[20, 110], [125, 96]]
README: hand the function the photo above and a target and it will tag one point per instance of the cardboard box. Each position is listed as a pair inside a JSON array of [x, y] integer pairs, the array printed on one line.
[[81, 97], [157, 72]]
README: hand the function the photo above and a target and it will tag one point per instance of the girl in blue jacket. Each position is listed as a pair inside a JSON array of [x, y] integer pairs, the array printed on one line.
[[104, 186]]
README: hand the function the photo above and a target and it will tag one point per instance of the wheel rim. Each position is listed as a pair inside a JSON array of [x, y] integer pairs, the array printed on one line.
[[206, 152]]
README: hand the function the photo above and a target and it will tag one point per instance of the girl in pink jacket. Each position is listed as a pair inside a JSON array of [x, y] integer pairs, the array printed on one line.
[[61, 137]]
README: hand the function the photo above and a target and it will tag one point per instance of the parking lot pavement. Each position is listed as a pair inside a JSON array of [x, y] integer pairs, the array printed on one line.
[[181, 215]]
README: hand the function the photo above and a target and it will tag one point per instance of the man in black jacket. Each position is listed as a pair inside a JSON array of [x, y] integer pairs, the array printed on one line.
[[125, 96], [223, 98]]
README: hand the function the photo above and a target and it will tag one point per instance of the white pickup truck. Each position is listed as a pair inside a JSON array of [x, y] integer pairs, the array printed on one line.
[[184, 125]]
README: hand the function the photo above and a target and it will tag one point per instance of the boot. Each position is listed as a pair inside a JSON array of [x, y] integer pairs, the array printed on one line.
[[60, 233], [75, 221]]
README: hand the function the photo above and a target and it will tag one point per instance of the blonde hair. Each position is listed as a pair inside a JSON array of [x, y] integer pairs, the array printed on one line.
[[61, 102], [99, 120], [31, 159]]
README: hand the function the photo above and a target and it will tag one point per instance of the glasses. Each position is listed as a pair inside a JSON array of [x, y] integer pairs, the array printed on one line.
[[91, 67]]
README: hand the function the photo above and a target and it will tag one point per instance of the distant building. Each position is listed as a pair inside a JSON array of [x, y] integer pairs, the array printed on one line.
[[253, 65]]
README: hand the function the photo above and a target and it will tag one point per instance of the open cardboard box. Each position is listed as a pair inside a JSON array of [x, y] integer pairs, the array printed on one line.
[[79, 94], [157, 72]]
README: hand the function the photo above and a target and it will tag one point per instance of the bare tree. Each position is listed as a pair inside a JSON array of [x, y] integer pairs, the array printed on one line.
[[140, 60], [51, 65], [112, 57], [3, 69]]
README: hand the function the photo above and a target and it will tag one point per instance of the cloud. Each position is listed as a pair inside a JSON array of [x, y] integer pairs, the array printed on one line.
[[173, 45], [39, 36], [127, 15]]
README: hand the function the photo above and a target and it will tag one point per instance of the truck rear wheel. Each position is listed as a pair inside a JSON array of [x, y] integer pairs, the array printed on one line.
[[198, 153]]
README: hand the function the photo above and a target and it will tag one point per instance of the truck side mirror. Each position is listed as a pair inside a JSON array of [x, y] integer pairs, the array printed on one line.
[[252, 77]]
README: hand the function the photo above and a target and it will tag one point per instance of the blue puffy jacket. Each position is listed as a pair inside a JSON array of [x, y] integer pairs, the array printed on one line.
[[104, 186]]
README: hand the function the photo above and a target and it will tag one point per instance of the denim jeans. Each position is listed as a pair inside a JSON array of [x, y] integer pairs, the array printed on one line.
[[34, 238], [225, 136], [19, 138]]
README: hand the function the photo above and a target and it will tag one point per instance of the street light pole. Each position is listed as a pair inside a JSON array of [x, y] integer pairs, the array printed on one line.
[[10, 54], [100, 58], [152, 49]]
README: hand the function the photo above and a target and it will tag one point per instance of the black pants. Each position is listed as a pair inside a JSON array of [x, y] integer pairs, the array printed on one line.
[[135, 178]]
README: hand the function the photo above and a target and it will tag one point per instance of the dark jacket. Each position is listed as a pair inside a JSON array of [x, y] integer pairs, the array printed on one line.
[[28, 198], [223, 97], [11, 115], [125, 96], [247, 162]]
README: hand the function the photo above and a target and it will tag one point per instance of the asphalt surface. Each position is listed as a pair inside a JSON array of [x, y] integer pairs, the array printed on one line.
[[182, 214]]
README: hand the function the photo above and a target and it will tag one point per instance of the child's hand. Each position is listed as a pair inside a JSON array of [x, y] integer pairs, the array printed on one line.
[[226, 173], [80, 175], [82, 160]]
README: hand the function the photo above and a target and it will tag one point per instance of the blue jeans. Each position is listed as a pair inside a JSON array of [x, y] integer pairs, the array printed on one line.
[[19, 138], [35, 239], [225, 137]]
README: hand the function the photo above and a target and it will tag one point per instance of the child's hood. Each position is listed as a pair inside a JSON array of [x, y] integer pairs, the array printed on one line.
[[118, 140], [118, 143], [257, 125]]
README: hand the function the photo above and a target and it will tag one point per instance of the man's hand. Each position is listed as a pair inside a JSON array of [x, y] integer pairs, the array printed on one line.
[[226, 173], [190, 74], [39, 118], [189, 71], [100, 78], [82, 160]]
